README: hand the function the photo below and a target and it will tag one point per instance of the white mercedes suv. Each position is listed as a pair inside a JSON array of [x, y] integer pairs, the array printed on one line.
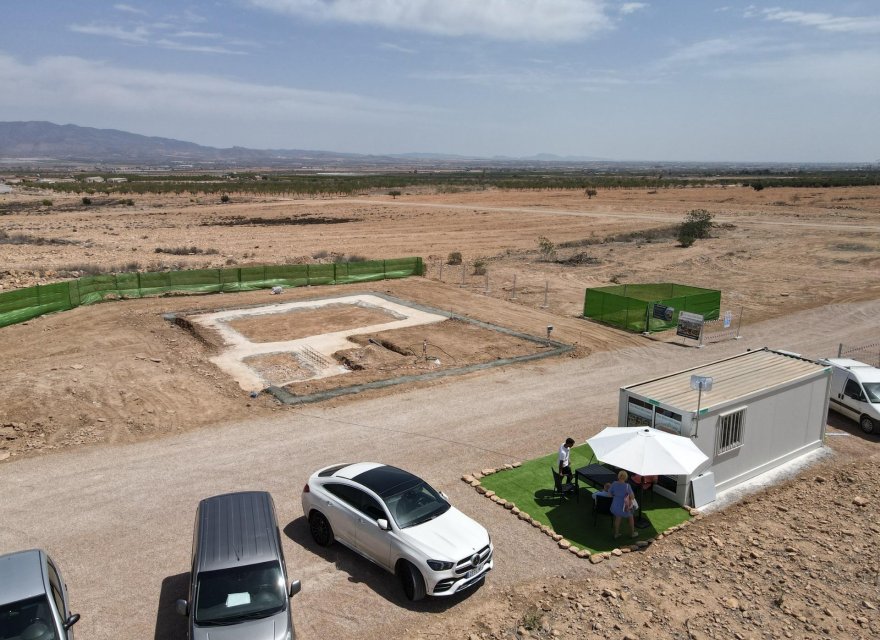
[[401, 523]]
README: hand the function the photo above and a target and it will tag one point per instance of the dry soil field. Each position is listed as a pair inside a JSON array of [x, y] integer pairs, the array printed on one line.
[[114, 376]]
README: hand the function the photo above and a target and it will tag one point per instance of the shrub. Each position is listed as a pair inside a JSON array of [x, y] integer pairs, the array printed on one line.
[[86, 200], [46, 202], [129, 202], [224, 197], [318, 255], [547, 249], [591, 192], [454, 258], [757, 186], [479, 267], [394, 194], [696, 226], [186, 251]]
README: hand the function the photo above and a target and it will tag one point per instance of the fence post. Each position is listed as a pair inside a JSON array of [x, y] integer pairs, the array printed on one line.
[[739, 323], [839, 349], [513, 295]]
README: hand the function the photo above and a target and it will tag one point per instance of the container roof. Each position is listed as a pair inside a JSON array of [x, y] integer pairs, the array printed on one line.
[[733, 378]]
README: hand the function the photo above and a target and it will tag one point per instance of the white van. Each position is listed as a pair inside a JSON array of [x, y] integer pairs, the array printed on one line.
[[855, 392]]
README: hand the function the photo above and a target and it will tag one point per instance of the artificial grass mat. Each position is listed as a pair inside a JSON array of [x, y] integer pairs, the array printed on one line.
[[530, 487]]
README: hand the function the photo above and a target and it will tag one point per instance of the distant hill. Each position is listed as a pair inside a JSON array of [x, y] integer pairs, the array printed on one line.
[[71, 143], [39, 142]]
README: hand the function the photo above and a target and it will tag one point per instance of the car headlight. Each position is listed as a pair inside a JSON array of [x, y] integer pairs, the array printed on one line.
[[440, 565]]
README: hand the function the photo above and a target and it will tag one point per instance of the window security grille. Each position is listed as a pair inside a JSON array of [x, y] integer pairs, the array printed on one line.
[[730, 432]]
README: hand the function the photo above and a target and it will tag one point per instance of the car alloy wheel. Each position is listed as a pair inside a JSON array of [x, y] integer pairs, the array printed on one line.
[[866, 424], [412, 582], [321, 530]]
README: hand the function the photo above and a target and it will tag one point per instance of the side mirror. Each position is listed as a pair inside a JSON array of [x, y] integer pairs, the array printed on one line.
[[182, 607], [72, 619], [295, 588], [383, 524]]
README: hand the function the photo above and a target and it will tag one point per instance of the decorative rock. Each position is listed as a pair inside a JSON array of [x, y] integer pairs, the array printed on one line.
[[535, 523], [509, 506], [481, 489], [516, 465], [468, 478], [474, 483], [574, 549], [508, 466], [489, 494], [500, 501], [583, 553], [557, 537], [522, 515], [487, 472], [492, 498], [564, 544], [616, 552], [477, 475], [596, 558], [514, 510]]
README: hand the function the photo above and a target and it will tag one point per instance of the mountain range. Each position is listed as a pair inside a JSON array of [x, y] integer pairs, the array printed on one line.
[[39, 142]]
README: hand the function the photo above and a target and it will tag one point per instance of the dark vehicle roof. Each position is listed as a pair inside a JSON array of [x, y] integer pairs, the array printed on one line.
[[386, 480], [236, 529], [21, 575]]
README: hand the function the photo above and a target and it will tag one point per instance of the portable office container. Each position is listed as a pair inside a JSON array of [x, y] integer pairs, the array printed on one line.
[[765, 408]]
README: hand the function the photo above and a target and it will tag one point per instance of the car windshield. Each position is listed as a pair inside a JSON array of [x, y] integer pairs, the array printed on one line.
[[31, 618], [233, 595], [873, 391], [415, 505]]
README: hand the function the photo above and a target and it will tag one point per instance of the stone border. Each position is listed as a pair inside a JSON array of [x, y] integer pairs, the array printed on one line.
[[473, 479]]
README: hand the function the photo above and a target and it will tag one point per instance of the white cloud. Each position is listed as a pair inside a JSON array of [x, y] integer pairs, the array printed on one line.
[[135, 35], [390, 46], [631, 7], [74, 83], [127, 8], [534, 81], [850, 72], [528, 20], [159, 34], [821, 21]]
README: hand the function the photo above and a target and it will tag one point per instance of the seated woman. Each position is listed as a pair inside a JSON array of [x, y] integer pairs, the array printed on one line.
[[605, 492], [621, 504]]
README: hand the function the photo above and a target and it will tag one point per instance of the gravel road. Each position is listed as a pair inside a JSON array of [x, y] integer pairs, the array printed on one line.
[[118, 518]]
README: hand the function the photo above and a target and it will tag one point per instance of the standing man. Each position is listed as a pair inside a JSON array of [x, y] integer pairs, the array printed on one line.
[[565, 458]]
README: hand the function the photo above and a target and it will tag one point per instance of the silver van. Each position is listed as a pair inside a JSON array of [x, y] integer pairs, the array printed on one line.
[[239, 580], [855, 392]]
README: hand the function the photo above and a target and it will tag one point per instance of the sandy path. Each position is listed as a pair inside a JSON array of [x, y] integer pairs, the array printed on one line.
[[118, 518]]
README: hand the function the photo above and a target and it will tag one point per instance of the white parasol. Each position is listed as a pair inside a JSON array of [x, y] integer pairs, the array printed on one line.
[[647, 451]]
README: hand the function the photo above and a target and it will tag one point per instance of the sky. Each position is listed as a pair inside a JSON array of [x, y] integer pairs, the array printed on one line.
[[677, 80]]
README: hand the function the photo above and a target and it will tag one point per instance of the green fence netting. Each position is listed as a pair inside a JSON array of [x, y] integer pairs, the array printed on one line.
[[23, 304], [631, 306]]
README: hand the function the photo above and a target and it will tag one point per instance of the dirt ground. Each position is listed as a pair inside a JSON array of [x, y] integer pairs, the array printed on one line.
[[300, 323], [116, 374]]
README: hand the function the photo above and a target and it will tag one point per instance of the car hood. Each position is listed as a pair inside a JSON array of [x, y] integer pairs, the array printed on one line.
[[271, 628], [452, 536]]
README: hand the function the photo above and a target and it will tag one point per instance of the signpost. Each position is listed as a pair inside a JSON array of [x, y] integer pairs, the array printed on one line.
[[690, 325]]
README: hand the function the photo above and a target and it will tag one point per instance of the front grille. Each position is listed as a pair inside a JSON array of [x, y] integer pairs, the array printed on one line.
[[466, 564], [444, 585]]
